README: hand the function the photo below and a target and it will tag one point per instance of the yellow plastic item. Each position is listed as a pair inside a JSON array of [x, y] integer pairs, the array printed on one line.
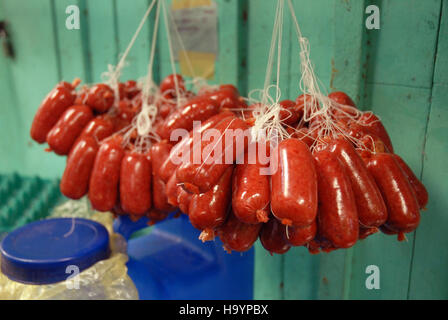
[[107, 279]]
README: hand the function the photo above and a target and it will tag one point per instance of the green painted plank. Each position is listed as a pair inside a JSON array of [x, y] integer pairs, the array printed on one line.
[[429, 276], [128, 19], [34, 73], [348, 67], [301, 274], [268, 282], [402, 51], [441, 68], [10, 123], [227, 64], [268, 275], [102, 36], [403, 111], [321, 39], [70, 44]]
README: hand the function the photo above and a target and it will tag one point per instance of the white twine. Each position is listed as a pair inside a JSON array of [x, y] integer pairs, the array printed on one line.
[[112, 76]]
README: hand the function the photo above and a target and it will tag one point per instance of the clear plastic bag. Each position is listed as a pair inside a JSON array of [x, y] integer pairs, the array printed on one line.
[[107, 279]]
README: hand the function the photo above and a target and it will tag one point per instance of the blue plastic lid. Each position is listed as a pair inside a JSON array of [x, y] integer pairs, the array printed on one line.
[[40, 252]]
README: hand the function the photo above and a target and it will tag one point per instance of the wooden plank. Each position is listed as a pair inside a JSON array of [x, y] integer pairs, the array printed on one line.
[[403, 111], [441, 69], [70, 44], [320, 37], [128, 18], [429, 276], [10, 124], [268, 275], [403, 49], [103, 49], [34, 73], [349, 54]]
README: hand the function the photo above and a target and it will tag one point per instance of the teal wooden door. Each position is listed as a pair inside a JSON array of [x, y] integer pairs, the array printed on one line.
[[399, 72]]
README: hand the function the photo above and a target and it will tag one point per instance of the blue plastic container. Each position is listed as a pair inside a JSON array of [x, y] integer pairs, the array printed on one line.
[[40, 252], [172, 263], [168, 263]]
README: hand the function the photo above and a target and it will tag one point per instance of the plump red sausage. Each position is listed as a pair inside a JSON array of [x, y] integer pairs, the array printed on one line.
[[273, 237], [370, 205], [417, 185], [402, 205], [76, 177], [226, 96], [177, 152], [184, 198], [294, 184], [341, 98], [135, 183], [373, 123], [99, 128], [69, 126], [168, 86], [159, 152], [251, 191], [172, 191], [196, 109], [201, 177], [100, 97], [238, 236], [301, 236], [288, 113], [338, 218], [51, 109], [365, 232], [103, 187], [209, 210]]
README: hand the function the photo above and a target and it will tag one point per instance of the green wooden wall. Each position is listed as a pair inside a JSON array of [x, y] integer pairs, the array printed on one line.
[[399, 71]]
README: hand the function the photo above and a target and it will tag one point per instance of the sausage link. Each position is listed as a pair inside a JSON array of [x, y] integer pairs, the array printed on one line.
[[372, 211], [294, 184], [170, 165], [301, 236], [273, 237], [172, 191], [251, 192], [236, 235], [168, 86], [135, 183], [75, 180], [104, 181], [51, 109], [338, 218], [373, 123], [69, 126], [209, 210], [201, 177], [401, 203], [100, 97], [197, 109], [226, 96], [184, 199], [159, 152], [99, 128], [420, 191]]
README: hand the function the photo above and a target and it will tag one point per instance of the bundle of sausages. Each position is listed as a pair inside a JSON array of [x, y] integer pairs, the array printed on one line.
[[326, 193]]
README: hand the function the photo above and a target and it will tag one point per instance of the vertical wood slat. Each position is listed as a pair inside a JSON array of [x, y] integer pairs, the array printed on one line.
[[428, 274], [103, 46], [33, 73], [128, 18], [399, 92], [70, 44], [10, 122]]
